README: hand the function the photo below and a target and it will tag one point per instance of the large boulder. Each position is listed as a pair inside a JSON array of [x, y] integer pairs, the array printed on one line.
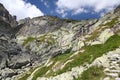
[[18, 61]]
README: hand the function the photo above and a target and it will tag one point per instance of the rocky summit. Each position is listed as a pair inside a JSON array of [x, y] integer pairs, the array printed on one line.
[[50, 48]]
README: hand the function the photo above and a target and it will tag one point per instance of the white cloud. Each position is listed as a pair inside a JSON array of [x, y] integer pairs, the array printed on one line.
[[80, 10], [21, 9], [61, 11], [46, 4], [79, 6]]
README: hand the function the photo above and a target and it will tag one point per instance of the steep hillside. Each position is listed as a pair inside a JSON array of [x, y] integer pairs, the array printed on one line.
[[73, 49], [50, 48]]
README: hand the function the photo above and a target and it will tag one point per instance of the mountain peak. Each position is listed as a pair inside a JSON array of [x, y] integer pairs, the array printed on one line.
[[117, 9], [7, 17]]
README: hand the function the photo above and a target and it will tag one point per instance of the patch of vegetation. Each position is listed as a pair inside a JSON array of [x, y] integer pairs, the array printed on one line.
[[62, 57], [64, 30], [95, 50], [118, 32], [112, 22], [47, 38], [42, 71], [27, 74], [93, 73], [94, 35], [29, 39], [70, 21]]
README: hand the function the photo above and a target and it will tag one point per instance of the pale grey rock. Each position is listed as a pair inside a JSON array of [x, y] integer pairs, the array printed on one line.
[[112, 74], [117, 78], [107, 78], [19, 60], [7, 73]]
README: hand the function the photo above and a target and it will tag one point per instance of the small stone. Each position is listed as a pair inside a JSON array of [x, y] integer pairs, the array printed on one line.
[[8, 79], [117, 78], [107, 78], [112, 74], [107, 69], [115, 71]]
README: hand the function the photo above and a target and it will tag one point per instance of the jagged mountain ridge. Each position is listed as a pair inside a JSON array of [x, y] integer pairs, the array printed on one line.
[[12, 56], [55, 44]]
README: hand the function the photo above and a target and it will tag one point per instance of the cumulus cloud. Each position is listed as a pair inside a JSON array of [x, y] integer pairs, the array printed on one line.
[[21, 9], [80, 6]]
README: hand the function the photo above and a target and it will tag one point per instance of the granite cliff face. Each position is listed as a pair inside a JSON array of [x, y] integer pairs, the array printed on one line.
[[12, 56], [50, 48], [49, 36]]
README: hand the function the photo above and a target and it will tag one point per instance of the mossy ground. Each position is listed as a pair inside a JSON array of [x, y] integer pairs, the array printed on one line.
[[93, 73], [112, 22], [44, 38], [29, 39], [27, 74]]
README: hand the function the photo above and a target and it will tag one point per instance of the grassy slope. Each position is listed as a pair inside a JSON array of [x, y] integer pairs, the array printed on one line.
[[93, 73], [94, 51]]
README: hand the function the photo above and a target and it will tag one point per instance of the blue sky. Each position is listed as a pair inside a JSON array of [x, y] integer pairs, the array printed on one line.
[[49, 7], [74, 9]]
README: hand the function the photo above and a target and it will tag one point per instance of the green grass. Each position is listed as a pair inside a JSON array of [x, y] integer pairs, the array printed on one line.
[[47, 38], [93, 36], [27, 74], [24, 77], [94, 51], [62, 57], [66, 31], [93, 73], [112, 22], [41, 72], [29, 39]]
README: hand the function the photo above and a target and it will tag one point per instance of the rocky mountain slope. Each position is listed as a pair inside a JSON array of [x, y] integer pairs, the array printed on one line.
[[50, 48]]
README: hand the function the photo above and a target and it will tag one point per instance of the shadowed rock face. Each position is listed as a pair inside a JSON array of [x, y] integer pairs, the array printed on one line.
[[117, 9], [12, 55], [4, 15], [9, 48]]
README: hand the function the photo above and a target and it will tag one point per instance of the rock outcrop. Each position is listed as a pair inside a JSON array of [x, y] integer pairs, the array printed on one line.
[[4, 15], [12, 56]]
